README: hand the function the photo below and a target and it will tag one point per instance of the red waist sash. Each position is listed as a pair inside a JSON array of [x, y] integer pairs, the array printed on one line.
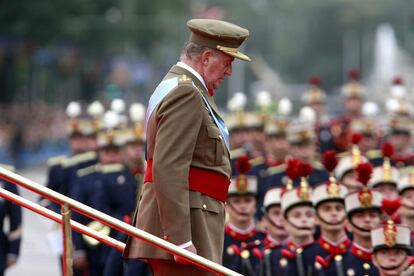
[[207, 182]]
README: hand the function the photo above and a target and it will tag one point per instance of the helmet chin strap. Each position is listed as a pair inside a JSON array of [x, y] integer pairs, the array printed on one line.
[[395, 266], [234, 209], [298, 227], [266, 214], [357, 227], [330, 223]]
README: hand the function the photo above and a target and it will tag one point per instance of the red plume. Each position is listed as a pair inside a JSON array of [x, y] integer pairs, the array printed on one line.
[[397, 81], [314, 80], [304, 169], [329, 160], [364, 171], [356, 138], [390, 206], [243, 165], [387, 150], [292, 169], [353, 74]]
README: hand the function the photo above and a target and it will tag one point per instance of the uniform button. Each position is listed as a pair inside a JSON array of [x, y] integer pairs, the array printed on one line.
[[204, 206], [366, 266], [220, 137]]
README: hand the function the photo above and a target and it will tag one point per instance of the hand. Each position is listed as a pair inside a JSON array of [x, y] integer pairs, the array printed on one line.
[[10, 262], [181, 260], [80, 262]]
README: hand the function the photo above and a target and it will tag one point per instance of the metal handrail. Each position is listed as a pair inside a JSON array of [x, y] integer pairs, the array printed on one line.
[[114, 223]]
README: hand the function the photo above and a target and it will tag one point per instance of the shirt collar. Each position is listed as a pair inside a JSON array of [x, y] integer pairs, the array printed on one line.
[[192, 71]]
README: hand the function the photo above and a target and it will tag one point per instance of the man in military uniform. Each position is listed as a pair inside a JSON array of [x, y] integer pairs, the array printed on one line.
[[241, 235], [88, 254], [328, 200], [9, 240], [188, 168], [406, 192], [363, 211], [392, 245]]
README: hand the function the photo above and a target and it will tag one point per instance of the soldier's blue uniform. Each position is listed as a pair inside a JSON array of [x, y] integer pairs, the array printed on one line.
[[85, 191], [358, 262], [246, 241], [55, 176], [299, 258], [274, 263], [9, 241]]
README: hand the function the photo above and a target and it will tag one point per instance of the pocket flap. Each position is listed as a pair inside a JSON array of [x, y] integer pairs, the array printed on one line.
[[206, 203], [213, 132]]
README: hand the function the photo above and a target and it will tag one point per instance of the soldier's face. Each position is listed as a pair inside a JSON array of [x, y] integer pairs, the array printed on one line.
[[110, 155], [333, 213], [351, 182], [241, 208], [77, 144], [133, 152], [388, 191], [368, 220], [393, 260], [353, 105], [301, 221], [407, 202], [276, 227], [216, 66]]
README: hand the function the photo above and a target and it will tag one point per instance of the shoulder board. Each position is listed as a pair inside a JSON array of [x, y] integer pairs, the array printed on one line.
[[372, 154], [79, 158], [257, 161], [112, 168], [317, 165], [184, 79], [236, 153], [86, 171], [56, 160], [276, 169], [8, 167]]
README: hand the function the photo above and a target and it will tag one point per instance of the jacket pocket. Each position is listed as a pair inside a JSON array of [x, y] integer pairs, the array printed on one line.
[[214, 152], [205, 203]]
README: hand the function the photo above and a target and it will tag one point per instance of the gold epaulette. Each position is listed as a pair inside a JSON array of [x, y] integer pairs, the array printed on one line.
[[79, 158], [257, 161], [112, 168], [8, 167], [184, 79], [373, 154], [276, 169], [56, 160], [88, 170], [317, 165], [236, 153]]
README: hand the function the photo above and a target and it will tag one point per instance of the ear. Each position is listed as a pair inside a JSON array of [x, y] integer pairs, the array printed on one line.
[[205, 56]]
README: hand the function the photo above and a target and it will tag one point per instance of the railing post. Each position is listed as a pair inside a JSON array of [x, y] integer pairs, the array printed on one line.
[[67, 241]]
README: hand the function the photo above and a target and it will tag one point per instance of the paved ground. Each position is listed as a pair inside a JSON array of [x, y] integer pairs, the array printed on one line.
[[36, 257]]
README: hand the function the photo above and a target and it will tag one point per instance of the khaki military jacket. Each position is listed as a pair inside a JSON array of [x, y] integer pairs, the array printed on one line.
[[181, 133]]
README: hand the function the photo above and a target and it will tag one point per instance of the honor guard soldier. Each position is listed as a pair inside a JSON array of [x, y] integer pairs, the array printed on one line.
[[301, 137], [363, 209], [392, 245], [241, 235], [119, 195], [315, 98], [328, 201], [385, 177], [298, 254], [400, 137], [368, 127], [345, 170], [89, 255], [9, 239], [406, 191], [276, 233], [236, 124], [353, 93], [88, 128]]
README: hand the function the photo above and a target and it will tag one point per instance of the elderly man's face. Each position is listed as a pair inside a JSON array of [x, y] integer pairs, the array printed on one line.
[[216, 65]]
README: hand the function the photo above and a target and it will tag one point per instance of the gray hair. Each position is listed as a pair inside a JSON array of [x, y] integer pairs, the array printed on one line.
[[193, 51]]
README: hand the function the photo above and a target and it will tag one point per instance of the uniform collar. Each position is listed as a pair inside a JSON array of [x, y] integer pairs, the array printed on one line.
[[192, 71], [334, 248], [293, 246], [271, 243], [361, 252], [240, 234]]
